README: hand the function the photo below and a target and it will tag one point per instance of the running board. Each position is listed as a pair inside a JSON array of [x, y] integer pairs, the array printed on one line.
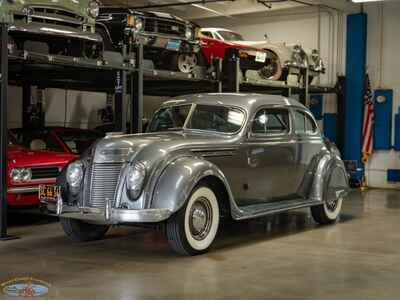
[[259, 210]]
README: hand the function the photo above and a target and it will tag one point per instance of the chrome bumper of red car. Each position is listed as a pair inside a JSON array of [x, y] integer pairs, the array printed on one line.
[[23, 190]]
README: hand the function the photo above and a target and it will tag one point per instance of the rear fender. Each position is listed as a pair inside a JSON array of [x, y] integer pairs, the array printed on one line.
[[330, 179]]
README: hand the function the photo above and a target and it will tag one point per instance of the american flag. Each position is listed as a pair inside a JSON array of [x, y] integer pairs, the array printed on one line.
[[367, 132]]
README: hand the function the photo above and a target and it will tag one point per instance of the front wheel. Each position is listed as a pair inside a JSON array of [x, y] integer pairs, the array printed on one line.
[[80, 231], [193, 228], [327, 213], [185, 62]]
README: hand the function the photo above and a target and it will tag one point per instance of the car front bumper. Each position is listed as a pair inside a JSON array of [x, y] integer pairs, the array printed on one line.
[[160, 41], [53, 30], [108, 215]]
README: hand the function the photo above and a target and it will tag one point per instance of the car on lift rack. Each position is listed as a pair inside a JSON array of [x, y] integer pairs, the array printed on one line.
[[251, 58], [27, 169], [204, 156], [65, 28], [284, 59], [169, 41], [57, 139]]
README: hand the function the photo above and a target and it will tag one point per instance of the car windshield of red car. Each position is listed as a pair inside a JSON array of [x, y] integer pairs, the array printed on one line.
[[230, 36]]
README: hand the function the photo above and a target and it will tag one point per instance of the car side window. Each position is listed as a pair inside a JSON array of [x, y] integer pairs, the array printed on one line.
[[271, 121], [304, 124], [207, 34]]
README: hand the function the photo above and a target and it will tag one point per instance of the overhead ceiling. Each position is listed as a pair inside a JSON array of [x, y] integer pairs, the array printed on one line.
[[228, 8]]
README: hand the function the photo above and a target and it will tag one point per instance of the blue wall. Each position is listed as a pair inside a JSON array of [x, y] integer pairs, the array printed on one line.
[[383, 120], [355, 77]]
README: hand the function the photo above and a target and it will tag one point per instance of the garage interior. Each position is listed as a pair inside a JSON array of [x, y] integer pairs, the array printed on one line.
[[281, 256]]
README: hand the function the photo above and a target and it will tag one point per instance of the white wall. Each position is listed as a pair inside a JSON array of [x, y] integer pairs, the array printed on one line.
[[70, 108], [389, 72]]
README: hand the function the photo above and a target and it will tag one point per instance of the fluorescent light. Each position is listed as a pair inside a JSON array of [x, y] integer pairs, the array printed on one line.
[[362, 1], [208, 9]]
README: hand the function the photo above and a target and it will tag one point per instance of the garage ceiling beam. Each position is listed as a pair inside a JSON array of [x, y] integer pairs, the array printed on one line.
[[202, 2]]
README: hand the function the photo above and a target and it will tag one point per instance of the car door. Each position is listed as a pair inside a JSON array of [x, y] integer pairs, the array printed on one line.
[[308, 144], [270, 154]]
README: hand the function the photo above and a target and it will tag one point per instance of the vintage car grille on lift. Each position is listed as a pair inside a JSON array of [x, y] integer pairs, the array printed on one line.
[[50, 15], [45, 172], [153, 25], [103, 179]]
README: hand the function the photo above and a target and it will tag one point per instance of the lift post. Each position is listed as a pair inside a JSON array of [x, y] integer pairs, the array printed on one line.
[[136, 114], [3, 131]]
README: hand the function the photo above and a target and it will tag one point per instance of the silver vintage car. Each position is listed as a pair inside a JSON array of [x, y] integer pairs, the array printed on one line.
[[204, 157]]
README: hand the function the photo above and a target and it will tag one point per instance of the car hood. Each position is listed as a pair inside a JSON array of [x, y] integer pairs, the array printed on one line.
[[150, 146], [21, 157]]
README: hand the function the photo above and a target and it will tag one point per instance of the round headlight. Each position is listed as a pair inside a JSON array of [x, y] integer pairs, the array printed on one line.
[[21, 174], [135, 179], [75, 174], [189, 32], [138, 24], [93, 9], [26, 174]]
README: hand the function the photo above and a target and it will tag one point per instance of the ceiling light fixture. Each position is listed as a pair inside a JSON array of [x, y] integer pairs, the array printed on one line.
[[363, 1]]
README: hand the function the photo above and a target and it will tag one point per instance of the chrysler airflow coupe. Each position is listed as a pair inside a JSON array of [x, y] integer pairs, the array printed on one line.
[[204, 157]]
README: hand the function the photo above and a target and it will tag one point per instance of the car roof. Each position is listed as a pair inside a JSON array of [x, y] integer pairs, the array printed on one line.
[[214, 29], [248, 102]]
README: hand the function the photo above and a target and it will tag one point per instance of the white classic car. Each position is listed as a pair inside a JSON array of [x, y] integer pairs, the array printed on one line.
[[285, 58]]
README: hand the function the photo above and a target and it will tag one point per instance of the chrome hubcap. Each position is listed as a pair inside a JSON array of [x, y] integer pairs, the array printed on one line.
[[331, 205], [200, 218], [269, 71], [187, 62]]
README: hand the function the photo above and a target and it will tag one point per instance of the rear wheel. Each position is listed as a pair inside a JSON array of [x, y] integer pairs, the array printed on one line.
[[328, 212], [80, 231], [273, 67], [192, 230]]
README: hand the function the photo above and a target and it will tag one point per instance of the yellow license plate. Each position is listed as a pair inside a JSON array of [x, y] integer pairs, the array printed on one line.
[[49, 192]]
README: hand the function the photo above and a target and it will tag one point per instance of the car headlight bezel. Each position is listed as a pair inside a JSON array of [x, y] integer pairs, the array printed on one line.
[[93, 9], [20, 175], [189, 32], [139, 24], [74, 174], [135, 179]]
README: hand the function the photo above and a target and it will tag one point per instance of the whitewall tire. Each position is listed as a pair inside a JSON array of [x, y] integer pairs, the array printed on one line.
[[192, 230], [328, 212]]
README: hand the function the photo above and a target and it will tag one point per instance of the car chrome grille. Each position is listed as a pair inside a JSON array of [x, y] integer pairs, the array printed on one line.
[[50, 15], [103, 180], [153, 25], [45, 173]]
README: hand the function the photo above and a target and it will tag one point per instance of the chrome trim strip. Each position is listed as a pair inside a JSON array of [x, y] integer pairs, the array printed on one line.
[[23, 190]]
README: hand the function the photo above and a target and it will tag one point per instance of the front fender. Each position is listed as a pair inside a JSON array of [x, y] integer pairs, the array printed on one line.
[[178, 180], [330, 179]]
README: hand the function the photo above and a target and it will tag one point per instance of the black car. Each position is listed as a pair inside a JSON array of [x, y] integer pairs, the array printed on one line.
[[170, 42]]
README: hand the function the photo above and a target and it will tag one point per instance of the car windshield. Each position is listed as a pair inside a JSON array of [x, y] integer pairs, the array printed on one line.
[[214, 118], [170, 118], [230, 36]]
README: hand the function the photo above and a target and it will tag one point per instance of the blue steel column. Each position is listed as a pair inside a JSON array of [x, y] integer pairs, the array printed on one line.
[[355, 88]]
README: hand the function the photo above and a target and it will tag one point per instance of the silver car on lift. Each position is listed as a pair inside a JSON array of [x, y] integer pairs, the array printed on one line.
[[204, 157]]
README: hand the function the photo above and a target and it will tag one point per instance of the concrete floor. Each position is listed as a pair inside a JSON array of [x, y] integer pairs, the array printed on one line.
[[281, 257]]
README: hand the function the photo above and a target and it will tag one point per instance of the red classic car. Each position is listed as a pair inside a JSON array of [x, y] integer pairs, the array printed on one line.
[[57, 139], [28, 169], [251, 58]]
